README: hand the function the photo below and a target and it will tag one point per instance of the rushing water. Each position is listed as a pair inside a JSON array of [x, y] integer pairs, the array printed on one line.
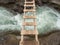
[[47, 20]]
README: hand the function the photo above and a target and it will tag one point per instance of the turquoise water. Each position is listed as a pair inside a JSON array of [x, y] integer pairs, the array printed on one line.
[[47, 20]]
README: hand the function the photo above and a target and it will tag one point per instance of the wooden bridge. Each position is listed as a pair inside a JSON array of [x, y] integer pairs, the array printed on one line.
[[29, 6]]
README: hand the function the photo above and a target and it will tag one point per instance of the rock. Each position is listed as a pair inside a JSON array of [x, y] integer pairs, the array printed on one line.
[[16, 32], [9, 40], [45, 0], [49, 39], [39, 2], [55, 4], [7, 1], [16, 5], [52, 39], [12, 4], [55, 1]]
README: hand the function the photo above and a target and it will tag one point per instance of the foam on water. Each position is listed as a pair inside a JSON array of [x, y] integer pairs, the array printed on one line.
[[47, 20]]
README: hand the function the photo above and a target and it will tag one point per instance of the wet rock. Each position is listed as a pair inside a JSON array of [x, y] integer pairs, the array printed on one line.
[[39, 2], [55, 4], [16, 5], [52, 39], [55, 1], [9, 40], [3, 33], [7, 1], [45, 0], [12, 4]]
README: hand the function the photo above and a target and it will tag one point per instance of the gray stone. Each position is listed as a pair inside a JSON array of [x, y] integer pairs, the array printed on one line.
[[55, 1], [51, 39], [6, 1]]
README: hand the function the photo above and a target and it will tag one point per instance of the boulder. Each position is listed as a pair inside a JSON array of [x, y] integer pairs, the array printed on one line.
[[16, 5], [9, 40], [55, 1], [51, 39], [7, 1]]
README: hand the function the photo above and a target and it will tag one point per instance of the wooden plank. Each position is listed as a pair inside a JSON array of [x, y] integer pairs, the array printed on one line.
[[29, 23], [29, 32], [30, 10], [29, 5], [29, 1], [28, 17]]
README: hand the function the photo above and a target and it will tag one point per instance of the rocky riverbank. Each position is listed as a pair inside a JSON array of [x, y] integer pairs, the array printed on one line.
[[18, 6], [51, 39], [12, 37]]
